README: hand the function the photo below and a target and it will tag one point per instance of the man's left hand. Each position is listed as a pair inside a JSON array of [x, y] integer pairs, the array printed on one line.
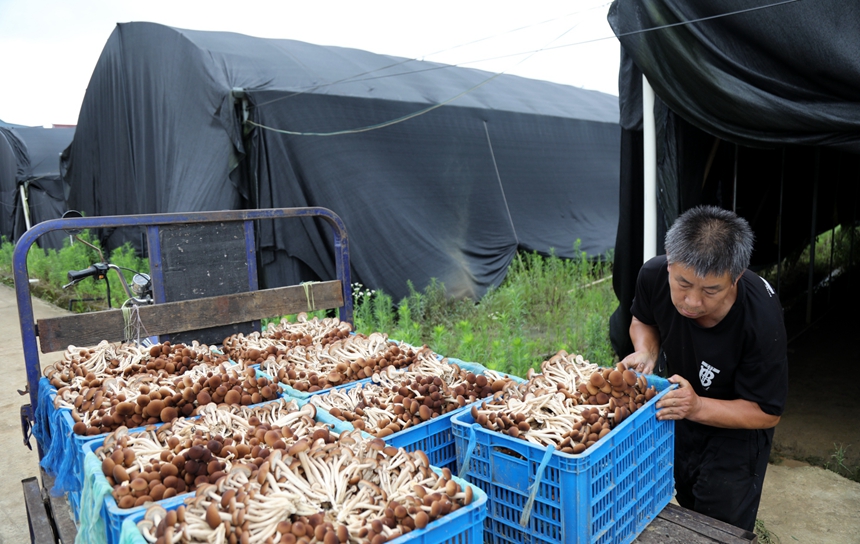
[[678, 403]]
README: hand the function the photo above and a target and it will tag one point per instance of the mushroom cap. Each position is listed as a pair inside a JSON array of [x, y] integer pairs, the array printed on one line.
[[451, 488], [138, 484], [421, 519], [213, 518], [155, 513], [275, 456], [630, 377], [309, 410], [422, 457], [597, 379], [241, 468]]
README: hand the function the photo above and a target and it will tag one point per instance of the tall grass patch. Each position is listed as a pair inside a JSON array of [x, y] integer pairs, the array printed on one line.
[[835, 251], [545, 304], [50, 268]]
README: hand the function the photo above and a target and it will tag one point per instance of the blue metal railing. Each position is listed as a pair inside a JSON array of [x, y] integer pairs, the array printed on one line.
[[152, 222]]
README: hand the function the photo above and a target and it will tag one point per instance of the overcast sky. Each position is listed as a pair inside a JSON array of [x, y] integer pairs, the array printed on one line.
[[48, 48]]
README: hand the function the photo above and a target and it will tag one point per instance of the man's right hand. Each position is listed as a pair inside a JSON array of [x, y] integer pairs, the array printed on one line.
[[646, 341], [640, 361]]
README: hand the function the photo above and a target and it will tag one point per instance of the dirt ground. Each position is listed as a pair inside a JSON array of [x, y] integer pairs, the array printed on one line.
[[806, 504], [823, 410], [802, 502]]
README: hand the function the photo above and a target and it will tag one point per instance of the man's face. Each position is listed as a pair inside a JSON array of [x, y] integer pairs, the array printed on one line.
[[707, 300]]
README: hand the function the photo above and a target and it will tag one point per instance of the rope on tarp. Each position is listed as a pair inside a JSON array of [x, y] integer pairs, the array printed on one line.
[[501, 187]]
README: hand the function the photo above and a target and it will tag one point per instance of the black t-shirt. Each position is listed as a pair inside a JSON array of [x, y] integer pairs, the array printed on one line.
[[743, 356]]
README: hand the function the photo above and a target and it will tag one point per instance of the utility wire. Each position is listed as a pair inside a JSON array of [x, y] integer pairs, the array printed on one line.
[[353, 78], [494, 76], [526, 27], [680, 23], [405, 117], [603, 38]]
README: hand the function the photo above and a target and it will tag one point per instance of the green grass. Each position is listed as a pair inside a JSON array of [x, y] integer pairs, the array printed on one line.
[[838, 465], [835, 249], [51, 266], [765, 536], [545, 304]]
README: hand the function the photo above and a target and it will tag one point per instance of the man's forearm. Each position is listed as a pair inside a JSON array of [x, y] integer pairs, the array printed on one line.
[[645, 338], [732, 414]]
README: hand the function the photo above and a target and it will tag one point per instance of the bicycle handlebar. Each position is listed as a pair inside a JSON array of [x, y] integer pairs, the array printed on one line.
[[98, 269]]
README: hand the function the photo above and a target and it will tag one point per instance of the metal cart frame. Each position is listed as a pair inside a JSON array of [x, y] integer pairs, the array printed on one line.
[[234, 308]]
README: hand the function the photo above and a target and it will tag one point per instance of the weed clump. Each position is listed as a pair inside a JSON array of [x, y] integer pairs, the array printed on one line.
[[50, 268], [545, 304]]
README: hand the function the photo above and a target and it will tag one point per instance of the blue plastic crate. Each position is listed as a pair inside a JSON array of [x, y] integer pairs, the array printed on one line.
[[57, 441], [100, 517], [304, 396], [47, 428], [95, 494], [63, 450], [607, 494], [434, 436], [464, 526]]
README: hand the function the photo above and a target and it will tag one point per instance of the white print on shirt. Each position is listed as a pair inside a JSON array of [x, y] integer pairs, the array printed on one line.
[[706, 374], [770, 291]]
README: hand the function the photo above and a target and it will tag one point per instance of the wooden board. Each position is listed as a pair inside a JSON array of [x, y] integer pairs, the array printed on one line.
[[677, 525], [58, 333], [41, 529], [60, 512]]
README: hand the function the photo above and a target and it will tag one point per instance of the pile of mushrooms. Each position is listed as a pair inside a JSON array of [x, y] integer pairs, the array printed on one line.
[[570, 405], [157, 464], [396, 400], [253, 348], [80, 366], [314, 368], [226, 385], [350, 490], [112, 386]]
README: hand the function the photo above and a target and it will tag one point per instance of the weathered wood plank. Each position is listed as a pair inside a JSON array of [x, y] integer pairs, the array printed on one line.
[[37, 515], [706, 525], [60, 511], [677, 525], [89, 329]]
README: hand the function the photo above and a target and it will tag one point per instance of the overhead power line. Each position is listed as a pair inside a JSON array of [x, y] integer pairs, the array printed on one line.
[[358, 77], [491, 78]]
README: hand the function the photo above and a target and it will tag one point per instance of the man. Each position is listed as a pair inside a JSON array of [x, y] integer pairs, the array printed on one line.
[[718, 328]]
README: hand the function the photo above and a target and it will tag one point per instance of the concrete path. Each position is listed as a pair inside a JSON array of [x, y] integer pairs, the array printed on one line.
[[802, 503], [16, 462]]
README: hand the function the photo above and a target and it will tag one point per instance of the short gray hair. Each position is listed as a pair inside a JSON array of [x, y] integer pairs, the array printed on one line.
[[710, 240]]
